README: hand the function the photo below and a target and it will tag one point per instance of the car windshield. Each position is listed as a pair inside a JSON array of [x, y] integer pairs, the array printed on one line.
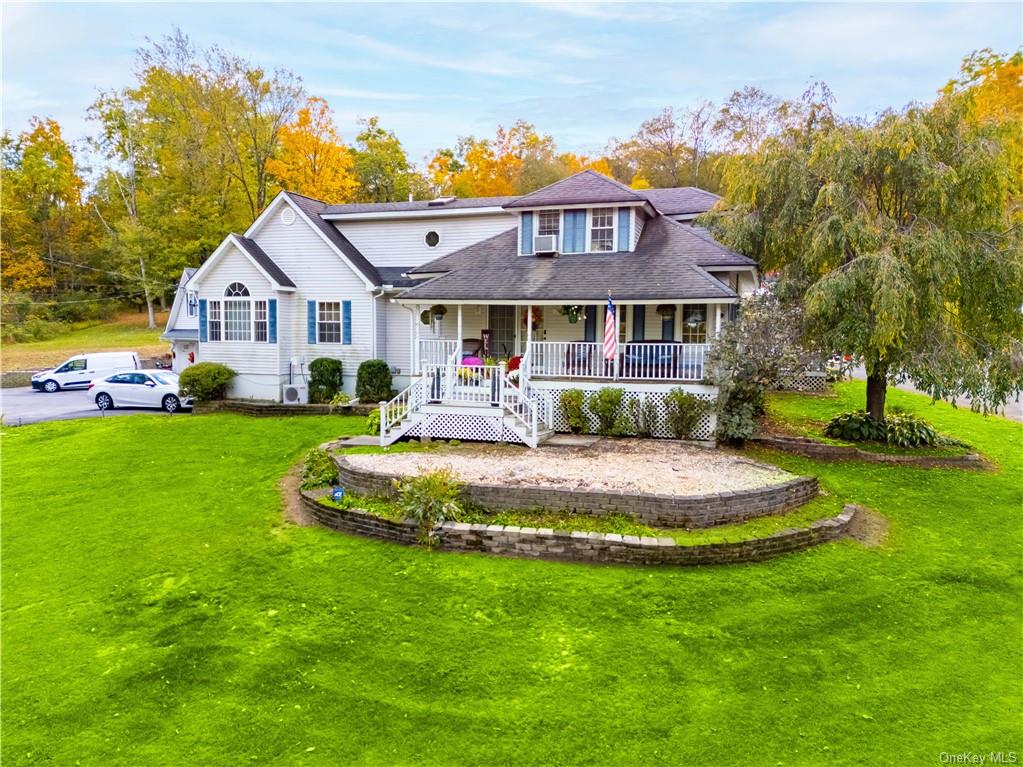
[[168, 379]]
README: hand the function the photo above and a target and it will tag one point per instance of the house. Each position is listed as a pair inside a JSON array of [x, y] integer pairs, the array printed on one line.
[[183, 324], [516, 282]]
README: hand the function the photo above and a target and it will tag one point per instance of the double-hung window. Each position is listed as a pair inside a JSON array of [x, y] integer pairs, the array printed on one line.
[[237, 313], [602, 230], [214, 321], [328, 322], [549, 224], [192, 302], [694, 324], [259, 324]]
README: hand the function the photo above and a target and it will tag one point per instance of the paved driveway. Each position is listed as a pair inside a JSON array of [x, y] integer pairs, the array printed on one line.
[[22, 406]]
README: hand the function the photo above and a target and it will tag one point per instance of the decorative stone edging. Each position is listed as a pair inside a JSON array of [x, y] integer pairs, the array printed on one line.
[[259, 408], [598, 548], [656, 509], [811, 448]]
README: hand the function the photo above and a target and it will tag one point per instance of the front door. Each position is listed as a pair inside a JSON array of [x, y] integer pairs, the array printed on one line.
[[502, 331]]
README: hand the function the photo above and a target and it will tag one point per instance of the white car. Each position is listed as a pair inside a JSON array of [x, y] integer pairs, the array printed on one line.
[[140, 388]]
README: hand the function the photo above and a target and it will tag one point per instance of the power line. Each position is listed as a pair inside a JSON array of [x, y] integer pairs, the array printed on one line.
[[107, 271]]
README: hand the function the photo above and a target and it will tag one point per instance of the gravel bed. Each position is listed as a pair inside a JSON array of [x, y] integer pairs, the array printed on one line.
[[644, 466]]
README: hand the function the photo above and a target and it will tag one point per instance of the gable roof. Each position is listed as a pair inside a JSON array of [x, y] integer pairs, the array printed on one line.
[[587, 186], [263, 261], [676, 201], [313, 210], [668, 263]]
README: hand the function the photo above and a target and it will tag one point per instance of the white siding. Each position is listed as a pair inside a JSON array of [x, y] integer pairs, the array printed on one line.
[[402, 242], [638, 220], [254, 362], [320, 274]]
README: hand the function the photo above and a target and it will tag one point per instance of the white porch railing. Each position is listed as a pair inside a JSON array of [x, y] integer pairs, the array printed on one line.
[[436, 351], [452, 382], [401, 407], [636, 361]]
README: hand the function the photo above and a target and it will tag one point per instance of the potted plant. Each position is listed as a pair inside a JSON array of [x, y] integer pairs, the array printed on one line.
[[572, 312]]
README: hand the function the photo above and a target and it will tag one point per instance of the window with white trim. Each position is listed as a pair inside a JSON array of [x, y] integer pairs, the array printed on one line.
[[694, 324], [192, 302], [237, 313], [259, 321], [602, 230], [213, 322], [549, 223], [328, 322]]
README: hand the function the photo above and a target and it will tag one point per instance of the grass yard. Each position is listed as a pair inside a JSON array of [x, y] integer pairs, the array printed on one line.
[[157, 611], [126, 332]]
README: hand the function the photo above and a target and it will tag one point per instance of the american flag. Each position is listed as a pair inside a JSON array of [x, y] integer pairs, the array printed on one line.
[[610, 331]]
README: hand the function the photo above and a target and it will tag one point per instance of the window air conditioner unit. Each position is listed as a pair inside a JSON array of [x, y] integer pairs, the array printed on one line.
[[545, 245], [295, 394]]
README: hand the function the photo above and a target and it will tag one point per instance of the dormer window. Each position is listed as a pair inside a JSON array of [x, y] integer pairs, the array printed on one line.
[[549, 223], [602, 230]]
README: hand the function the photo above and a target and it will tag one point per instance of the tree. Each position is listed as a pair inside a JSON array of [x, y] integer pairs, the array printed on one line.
[[382, 167], [898, 236], [312, 159], [42, 209], [748, 117]]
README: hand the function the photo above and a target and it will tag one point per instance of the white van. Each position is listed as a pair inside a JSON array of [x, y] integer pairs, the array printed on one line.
[[82, 369]]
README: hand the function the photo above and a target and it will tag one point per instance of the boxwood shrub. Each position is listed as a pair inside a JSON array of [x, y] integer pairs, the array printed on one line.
[[324, 379], [205, 381], [373, 382]]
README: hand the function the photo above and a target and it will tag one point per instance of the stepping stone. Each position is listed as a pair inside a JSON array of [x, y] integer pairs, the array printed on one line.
[[363, 440], [571, 440]]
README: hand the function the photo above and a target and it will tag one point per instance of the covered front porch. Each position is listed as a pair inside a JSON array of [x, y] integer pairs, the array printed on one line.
[[662, 342]]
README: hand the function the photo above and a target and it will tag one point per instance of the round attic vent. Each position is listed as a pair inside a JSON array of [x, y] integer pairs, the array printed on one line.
[[287, 217]]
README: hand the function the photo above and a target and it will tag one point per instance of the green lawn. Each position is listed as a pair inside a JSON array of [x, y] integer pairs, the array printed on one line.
[[127, 332], [156, 611]]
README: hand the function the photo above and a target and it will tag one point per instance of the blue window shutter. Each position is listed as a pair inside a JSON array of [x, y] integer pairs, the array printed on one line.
[[203, 330], [527, 234], [638, 322], [575, 231], [271, 321], [310, 319], [346, 322], [624, 238], [590, 324]]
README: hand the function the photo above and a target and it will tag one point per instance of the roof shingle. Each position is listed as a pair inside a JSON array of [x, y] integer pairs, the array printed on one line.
[[585, 187], [266, 263], [314, 209]]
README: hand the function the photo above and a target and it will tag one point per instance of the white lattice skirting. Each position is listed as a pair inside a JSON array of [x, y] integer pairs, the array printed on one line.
[[464, 426], [549, 392]]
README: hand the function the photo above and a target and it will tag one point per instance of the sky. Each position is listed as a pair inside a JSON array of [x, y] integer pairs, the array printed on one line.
[[583, 72]]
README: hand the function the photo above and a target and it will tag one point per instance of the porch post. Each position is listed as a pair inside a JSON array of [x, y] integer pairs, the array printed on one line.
[[529, 327], [717, 319], [458, 341], [618, 335], [518, 332], [417, 362]]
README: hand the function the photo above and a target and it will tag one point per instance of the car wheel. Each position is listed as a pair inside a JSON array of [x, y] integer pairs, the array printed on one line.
[[171, 403], [104, 401], [51, 386]]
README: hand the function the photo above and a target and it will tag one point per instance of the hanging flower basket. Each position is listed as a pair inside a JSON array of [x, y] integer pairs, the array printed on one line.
[[666, 310], [438, 310], [572, 312]]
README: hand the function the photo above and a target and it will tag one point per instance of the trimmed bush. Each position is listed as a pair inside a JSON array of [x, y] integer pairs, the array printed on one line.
[[324, 379], [373, 382], [606, 405], [319, 469], [685, 411], [206, 381], [571, 402], [856, 426]]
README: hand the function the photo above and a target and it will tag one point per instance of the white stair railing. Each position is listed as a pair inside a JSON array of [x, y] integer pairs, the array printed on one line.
[[522, 408], [405, 404]]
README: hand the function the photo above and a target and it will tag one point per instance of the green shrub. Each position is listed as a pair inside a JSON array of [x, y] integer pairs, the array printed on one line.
[[373, 421], [685, 410], [373, 382], [429, 499], [606, 405], [856, 426], [339, 400], [319, 469], [907, 430], [571, 401], [206, 381], [739, 405], [33, 329], [643, 414], [324, 379]]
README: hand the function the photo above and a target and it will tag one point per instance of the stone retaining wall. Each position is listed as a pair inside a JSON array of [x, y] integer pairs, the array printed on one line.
[[811, 448], [597, 548], [260, 408], [658, 510]]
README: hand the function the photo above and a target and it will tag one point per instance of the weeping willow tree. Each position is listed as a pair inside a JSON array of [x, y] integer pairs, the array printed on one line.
[[901, 236]]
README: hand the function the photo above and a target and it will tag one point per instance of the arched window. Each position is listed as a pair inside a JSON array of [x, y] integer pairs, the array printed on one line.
[[236, 289]]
